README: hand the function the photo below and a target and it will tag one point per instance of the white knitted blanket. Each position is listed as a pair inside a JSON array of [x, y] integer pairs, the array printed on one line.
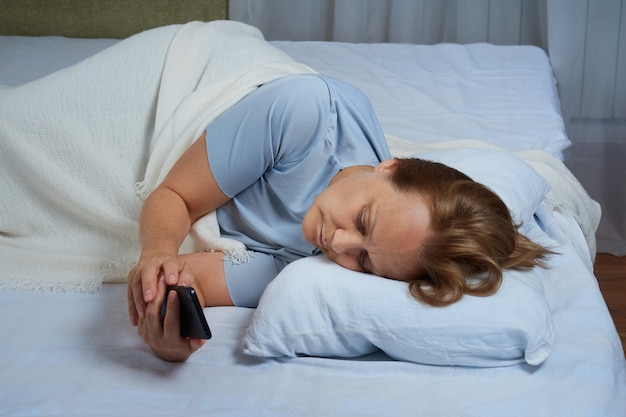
[[80, 148]]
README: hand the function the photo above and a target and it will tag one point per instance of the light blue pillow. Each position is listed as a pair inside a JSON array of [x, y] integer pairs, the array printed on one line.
[[318, 308]]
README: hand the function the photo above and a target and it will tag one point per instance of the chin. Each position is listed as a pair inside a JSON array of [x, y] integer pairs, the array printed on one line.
[[309, 230], [308, 233]]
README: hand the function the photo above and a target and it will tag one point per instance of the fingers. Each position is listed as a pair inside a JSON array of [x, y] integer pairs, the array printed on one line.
[[150, 271], [171, 323], [154, 322], [141, 289], [186, 276], [146, 292], [163, 335], [142, 282], [133, 314], [171, 268], [136, 304], [195, 344]]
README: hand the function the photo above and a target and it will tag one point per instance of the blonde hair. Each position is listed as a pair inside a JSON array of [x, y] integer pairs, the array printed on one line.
[[473, 237]]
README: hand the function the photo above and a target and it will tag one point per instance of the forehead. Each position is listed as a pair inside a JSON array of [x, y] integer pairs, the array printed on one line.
[[401, 225]]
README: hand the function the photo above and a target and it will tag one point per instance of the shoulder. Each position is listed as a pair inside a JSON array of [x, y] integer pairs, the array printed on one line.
[[300, 113], [308, 90], [298, 88]]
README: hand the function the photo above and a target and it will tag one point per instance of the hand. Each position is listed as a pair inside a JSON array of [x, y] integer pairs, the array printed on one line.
[[163, 335], [142, 282]]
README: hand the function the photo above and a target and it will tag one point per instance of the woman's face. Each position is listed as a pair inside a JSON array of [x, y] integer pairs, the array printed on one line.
[[363, 223]]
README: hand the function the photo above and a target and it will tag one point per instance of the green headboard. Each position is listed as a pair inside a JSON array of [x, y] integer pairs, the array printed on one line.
[[102, 18]]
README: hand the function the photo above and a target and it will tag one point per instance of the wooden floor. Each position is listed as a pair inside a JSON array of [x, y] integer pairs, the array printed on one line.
[[611, 273]]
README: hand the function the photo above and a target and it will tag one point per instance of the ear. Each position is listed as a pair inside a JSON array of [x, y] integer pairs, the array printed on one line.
[[387, 167]]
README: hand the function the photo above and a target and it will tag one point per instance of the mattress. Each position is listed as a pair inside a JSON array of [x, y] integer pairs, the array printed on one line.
[[75, 354]]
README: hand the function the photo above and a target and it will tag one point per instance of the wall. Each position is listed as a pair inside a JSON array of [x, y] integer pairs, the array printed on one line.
[[101, 18]]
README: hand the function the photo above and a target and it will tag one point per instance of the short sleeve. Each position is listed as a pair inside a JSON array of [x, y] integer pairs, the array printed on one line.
[[247, 281], [271, 127]]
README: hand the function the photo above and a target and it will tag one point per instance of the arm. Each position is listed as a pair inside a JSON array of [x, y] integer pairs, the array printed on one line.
[[188, 192], [260, 132]]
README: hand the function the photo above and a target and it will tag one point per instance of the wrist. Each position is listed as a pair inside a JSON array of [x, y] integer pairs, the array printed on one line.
[[157, 253]]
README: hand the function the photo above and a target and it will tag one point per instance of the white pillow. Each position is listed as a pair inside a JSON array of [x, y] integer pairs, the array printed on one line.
[[517, 184], [318, 308]]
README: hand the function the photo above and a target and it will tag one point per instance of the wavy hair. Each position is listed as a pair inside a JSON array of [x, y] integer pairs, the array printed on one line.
[[473, 237]]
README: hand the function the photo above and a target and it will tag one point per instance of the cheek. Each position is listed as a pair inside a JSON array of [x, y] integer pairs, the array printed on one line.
[[347, 261], [336, 205]]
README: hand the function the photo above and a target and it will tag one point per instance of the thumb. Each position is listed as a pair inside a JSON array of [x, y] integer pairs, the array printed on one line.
[[195, 344]]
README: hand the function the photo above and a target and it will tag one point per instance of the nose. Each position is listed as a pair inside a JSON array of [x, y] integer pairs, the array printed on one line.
[[346, 242]]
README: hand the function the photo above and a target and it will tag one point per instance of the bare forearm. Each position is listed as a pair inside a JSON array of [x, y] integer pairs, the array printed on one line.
[[164, 223], [187, 193]]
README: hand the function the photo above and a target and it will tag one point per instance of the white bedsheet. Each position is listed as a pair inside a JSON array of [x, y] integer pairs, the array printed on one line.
[[503, 95], [76, 354]]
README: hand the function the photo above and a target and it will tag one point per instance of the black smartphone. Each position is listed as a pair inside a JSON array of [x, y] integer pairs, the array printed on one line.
[[192, 321]]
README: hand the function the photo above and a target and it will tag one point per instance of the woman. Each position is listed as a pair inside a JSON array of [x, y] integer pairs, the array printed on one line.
[[300, 167]]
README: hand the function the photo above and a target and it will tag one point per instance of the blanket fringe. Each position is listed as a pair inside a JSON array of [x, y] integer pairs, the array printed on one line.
[[116, 270], [237, 256], [143, 189], [87, 286]]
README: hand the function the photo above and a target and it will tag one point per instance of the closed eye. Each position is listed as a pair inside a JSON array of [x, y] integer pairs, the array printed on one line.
[[360, 225]]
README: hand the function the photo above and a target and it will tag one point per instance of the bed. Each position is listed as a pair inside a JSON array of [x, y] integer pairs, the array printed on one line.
[[544, 345]]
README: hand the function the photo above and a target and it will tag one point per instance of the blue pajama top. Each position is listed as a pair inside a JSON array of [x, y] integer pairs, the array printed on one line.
[[273, 153]]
